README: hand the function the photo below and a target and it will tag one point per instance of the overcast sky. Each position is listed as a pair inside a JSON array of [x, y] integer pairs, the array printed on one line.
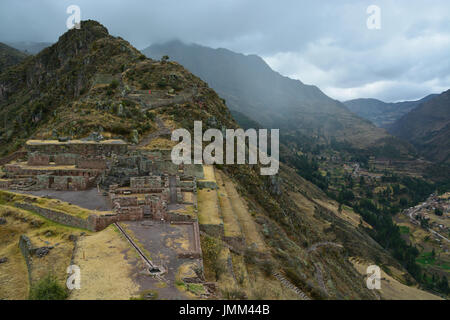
[[325, 43]]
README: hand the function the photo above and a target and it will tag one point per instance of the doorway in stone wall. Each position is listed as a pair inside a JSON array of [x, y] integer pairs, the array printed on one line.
[[51, 181], [69, 183]]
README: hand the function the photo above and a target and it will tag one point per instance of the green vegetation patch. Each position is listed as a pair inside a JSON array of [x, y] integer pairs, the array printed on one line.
[[9, 198], [404, 230], [48, 288]]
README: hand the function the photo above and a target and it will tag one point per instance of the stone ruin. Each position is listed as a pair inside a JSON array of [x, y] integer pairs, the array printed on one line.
[[62, 165], [140, 184]]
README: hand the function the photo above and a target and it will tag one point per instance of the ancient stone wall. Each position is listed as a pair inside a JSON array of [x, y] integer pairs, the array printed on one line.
[[5, 184], [93, 163], [99, 223], [38, 159], [78, 147], [13, 156], [27, 250], [158, 207], [125, 201], [146, 182], [196, 251], [57, 216], [64, 159]]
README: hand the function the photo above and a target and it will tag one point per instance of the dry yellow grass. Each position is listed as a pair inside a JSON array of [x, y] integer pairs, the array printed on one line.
[[188, 197], [160, 144], [106, 263], [208, 207], [187, 210], [14, 283], [42, 232], [245, 219], [256, 285], [208, 171], [230, 223], [347, 213], [391, 288], [53, 204]]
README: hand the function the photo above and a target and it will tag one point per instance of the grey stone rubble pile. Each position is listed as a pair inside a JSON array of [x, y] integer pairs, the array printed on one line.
[[42, 252]]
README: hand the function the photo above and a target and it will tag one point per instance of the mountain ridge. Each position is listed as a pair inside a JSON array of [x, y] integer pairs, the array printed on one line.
[[383, 113], [9, 56], [274, 100], [428, 127]]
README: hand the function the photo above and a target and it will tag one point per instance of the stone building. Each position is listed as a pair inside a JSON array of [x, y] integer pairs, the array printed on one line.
[[63, 165]]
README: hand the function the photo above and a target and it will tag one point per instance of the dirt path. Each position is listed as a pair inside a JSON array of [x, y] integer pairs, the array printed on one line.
[[315, 246]]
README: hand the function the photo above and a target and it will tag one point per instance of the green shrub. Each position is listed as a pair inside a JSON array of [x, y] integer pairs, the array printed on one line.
[[114, 84], [48, 288], [234, 294]]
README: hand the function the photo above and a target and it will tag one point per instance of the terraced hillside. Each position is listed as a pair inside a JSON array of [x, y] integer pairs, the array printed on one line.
[[256, 231]]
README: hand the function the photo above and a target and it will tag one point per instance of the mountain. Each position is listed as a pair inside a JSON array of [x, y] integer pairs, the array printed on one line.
[[90, 81], [251, 87], [382, 113], [9, 56], [29, 47], [427, 127]]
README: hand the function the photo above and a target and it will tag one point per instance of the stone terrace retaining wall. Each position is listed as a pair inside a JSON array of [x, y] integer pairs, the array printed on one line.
[[27, 250], [92, 223], [57, 216]]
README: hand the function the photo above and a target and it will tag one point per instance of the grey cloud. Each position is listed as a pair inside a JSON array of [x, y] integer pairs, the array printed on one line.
[[325, 43]]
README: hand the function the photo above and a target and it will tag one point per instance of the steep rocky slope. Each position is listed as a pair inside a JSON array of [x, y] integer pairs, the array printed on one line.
[[428, 128], [91, 81]]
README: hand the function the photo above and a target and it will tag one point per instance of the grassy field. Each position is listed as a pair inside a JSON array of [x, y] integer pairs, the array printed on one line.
[[14, 282], [106, 262], [57, 205], [230, 221], [208, 207], [391, 288], [427, 259], [248, 226]]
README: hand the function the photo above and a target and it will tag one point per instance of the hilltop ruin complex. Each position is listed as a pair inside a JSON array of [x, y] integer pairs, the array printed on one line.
[[140, 184]]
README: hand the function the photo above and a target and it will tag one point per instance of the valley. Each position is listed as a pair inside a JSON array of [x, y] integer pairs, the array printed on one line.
[[87, 179]]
